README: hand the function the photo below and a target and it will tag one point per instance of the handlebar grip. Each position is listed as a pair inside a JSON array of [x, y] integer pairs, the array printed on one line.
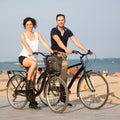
[[90, 52], [35, 53], [74, 51]]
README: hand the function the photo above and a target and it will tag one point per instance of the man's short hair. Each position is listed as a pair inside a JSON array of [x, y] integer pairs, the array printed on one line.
[[58, 15]]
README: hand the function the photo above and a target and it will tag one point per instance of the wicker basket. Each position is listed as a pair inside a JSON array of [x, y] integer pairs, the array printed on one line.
[[53, 64]]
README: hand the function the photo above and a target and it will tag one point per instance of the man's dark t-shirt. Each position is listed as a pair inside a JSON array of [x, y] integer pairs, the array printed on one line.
[[64, 38]]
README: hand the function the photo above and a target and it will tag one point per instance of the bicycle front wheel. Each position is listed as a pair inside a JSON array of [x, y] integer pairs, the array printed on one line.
[[56, 94], [16, 92], [41, 86], [93, 90]]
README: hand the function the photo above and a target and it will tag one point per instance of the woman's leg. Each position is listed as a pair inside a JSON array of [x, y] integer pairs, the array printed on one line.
[[34, 77], [32, 64]]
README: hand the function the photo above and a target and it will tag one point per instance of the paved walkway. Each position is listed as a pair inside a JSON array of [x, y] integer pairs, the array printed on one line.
[[76, 112]]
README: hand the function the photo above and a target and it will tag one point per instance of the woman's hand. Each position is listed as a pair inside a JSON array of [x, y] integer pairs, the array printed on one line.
[[30, 53]]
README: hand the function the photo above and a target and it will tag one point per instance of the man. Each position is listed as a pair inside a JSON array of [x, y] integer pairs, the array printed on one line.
[[59, 38]]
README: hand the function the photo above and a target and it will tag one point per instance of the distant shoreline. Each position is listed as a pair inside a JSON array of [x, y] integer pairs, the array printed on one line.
[[112, 65]]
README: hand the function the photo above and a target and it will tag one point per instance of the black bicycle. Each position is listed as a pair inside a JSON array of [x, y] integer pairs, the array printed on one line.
[[53, 87], [92, 87]]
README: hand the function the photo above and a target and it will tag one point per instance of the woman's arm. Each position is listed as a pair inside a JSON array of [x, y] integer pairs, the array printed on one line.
[[22, 37]]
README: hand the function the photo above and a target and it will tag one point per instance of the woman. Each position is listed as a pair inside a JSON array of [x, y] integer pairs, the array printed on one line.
[[30, 42]]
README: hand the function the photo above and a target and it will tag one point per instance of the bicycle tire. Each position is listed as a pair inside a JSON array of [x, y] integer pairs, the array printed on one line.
[[42, 94], [95, 95], [55, 86], [17, 101]]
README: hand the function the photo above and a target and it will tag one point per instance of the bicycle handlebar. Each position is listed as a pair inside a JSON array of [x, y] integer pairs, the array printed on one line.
[[44, 54], [82, 54], [74, 51], [36, 53]]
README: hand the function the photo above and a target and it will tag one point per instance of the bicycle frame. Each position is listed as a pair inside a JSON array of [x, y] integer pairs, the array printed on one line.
[[43, 83], [79, 71], [75, 76]]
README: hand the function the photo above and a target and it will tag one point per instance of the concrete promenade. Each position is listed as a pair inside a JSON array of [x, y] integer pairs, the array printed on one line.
[[111, 110], [76, 112]]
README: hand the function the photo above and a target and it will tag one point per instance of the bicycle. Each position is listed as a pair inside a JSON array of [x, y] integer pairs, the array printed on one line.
[[52, 86], [92, 87]]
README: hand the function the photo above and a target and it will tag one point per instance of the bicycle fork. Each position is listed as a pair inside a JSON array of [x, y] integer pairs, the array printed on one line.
[[89, 83]]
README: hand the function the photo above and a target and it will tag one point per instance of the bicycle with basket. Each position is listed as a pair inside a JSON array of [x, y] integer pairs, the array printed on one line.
[[51, 85]]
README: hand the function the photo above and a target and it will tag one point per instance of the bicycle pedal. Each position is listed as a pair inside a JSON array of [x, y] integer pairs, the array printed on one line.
[[69, 92], [69, 104]]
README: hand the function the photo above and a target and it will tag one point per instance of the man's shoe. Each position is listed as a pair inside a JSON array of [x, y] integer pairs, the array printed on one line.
[[69, 104]]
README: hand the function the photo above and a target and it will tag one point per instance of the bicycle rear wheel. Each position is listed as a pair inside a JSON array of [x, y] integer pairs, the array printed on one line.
[[15, 98], [93, 90], [56, 94]]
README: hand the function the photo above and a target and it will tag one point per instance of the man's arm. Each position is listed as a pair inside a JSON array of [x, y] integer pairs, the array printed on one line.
[[78, 44], [60, 44]]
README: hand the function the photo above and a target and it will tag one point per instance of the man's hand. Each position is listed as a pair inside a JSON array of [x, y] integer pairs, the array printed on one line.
[[67, 51]]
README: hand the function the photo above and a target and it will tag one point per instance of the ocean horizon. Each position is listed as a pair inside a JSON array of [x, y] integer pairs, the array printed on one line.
[[112, 65]]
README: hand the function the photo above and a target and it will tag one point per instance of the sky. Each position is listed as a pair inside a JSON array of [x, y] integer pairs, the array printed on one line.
[[95, 23]]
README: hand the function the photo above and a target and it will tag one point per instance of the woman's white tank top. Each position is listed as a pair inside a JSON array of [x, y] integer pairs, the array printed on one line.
[[33, 44]]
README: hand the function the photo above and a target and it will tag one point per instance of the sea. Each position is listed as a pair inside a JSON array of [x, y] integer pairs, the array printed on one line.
[[111, 65]]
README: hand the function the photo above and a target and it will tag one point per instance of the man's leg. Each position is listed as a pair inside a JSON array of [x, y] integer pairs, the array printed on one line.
[[64, 66], [64, 77], [64, 70]]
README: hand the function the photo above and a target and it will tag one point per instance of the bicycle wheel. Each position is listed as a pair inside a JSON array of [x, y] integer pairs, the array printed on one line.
[[16, 99], [56, 94], [41, 85], [93, 90]]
